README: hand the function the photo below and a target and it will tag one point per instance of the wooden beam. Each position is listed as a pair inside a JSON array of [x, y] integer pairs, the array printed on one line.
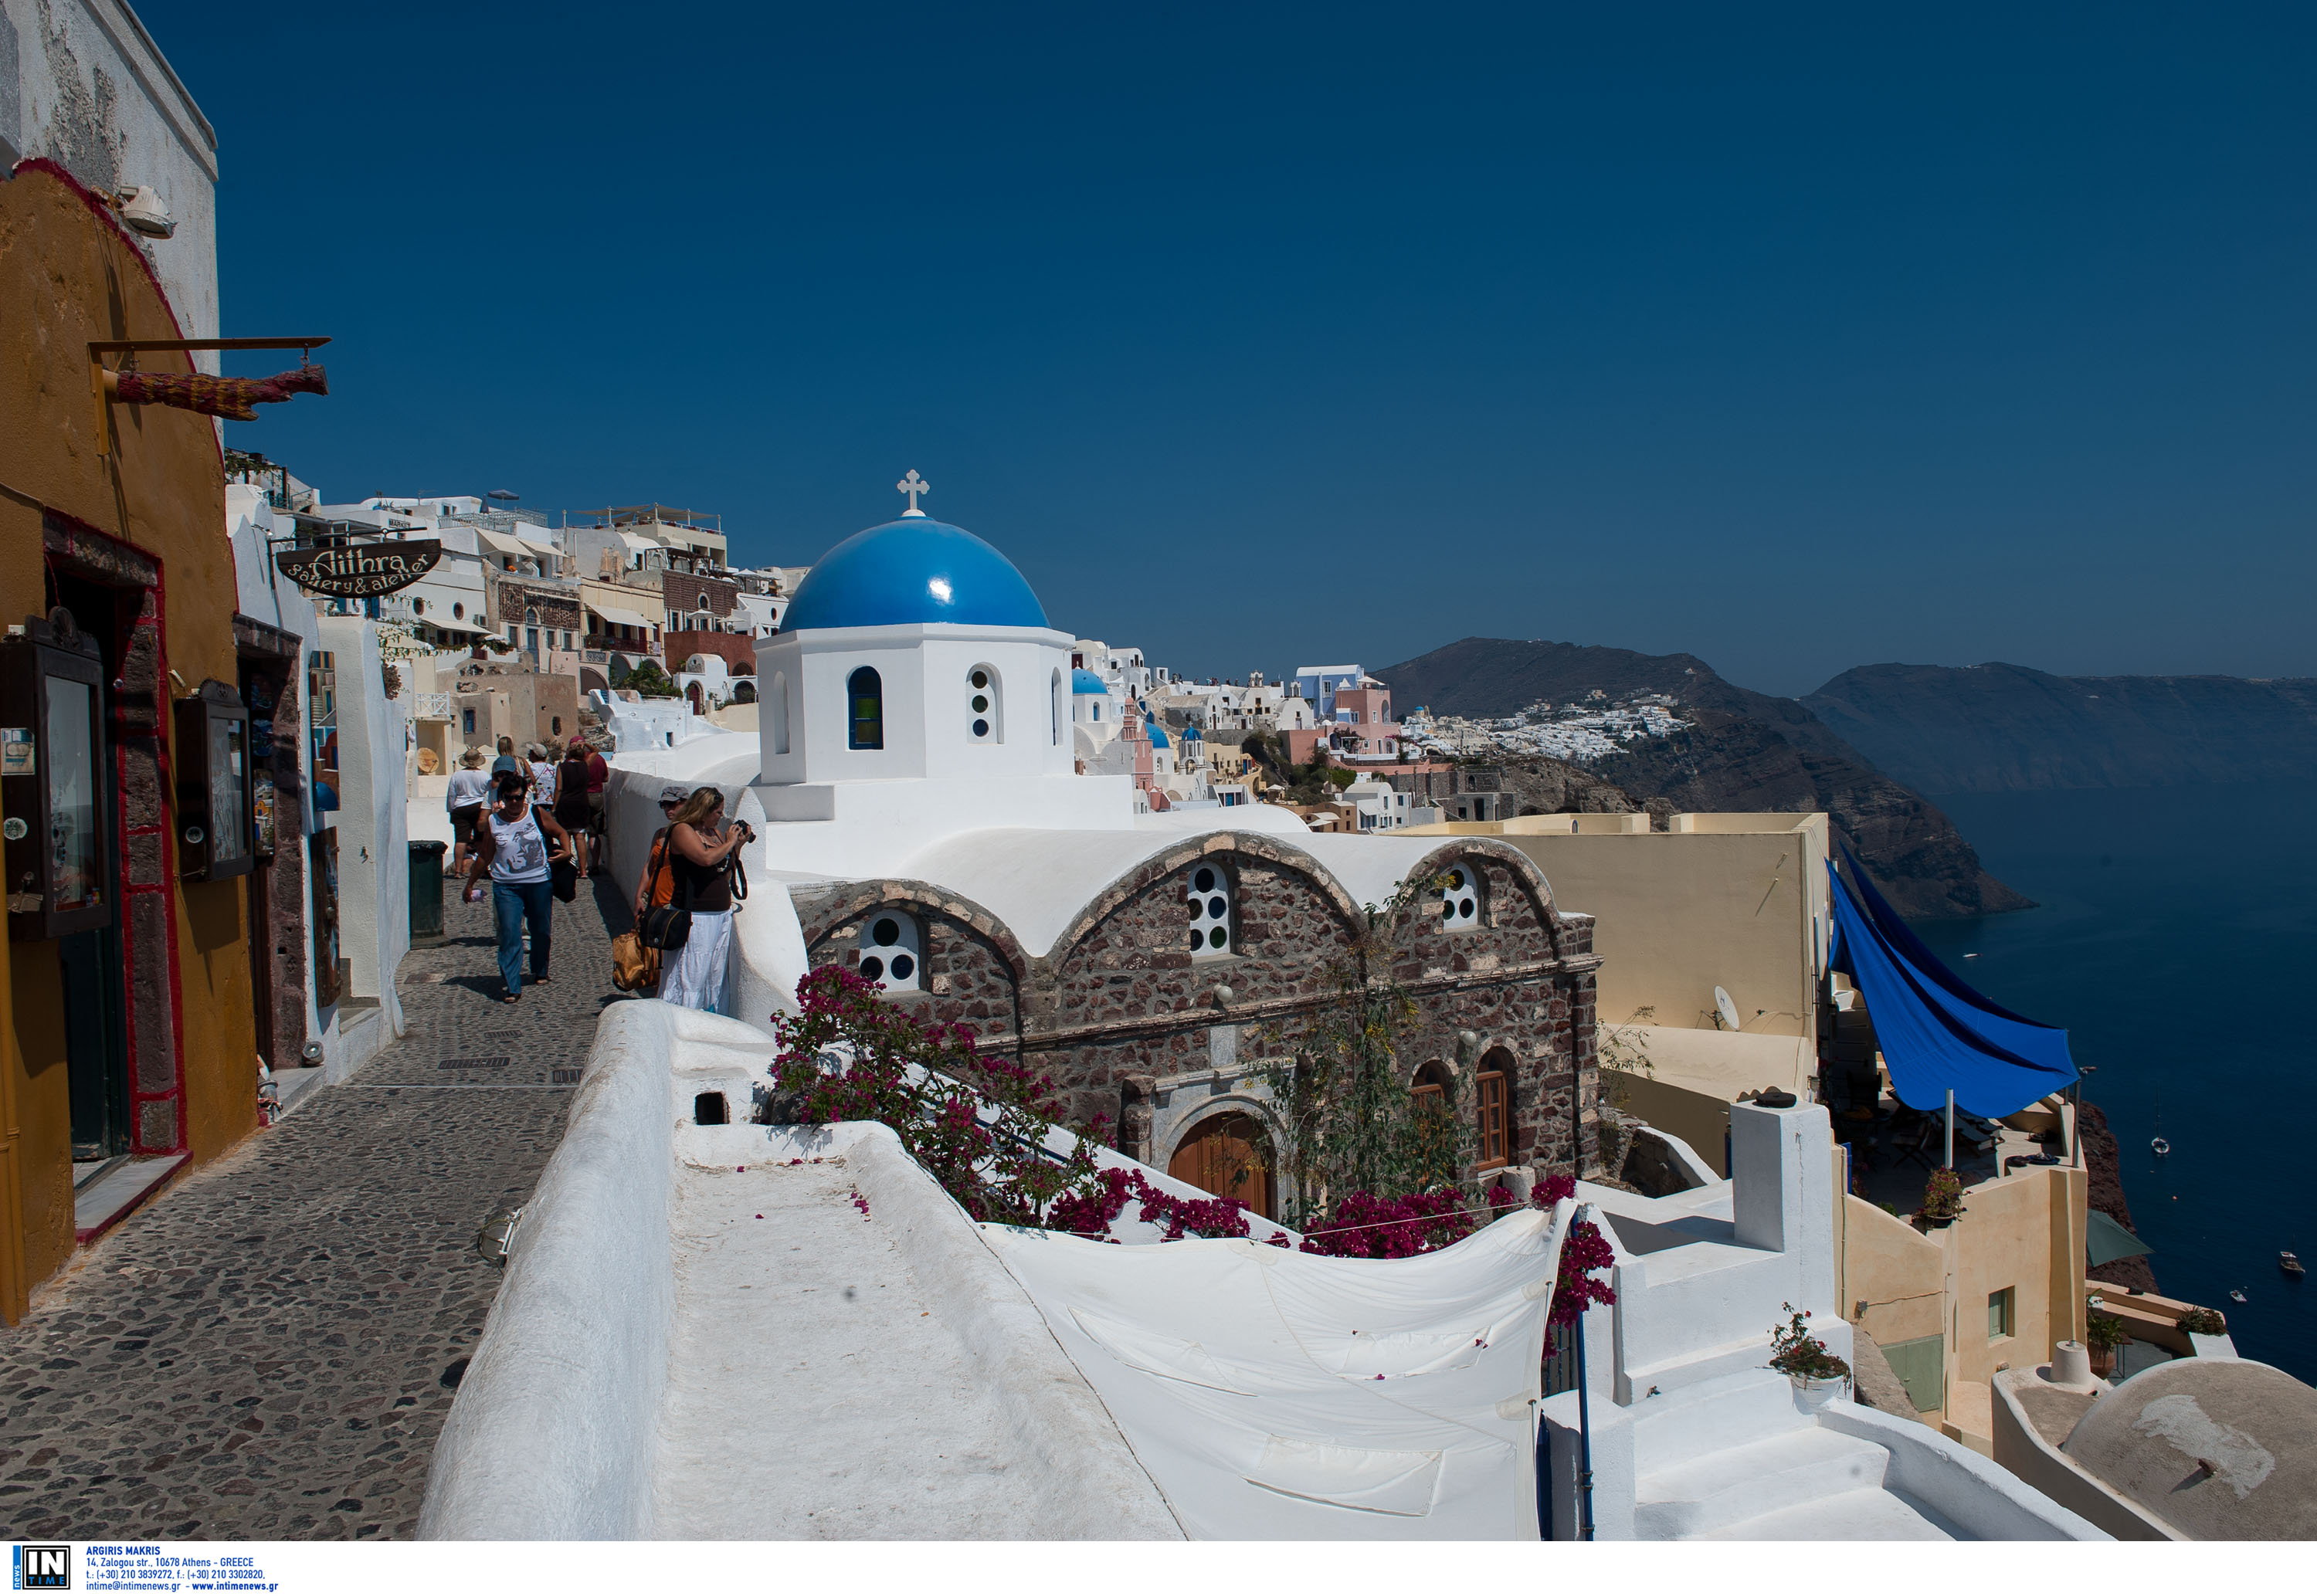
[[119, 346]]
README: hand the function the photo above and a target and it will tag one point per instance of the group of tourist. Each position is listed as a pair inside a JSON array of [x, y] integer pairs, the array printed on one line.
[[524, 816], [571, 790]]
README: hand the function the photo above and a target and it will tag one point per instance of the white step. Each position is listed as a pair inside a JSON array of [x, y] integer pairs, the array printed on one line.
[[1850, 1515], [1731, 1411], [1788, 1469]]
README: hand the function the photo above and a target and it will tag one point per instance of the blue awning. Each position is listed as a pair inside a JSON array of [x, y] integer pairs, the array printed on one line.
[[1936, 1032]]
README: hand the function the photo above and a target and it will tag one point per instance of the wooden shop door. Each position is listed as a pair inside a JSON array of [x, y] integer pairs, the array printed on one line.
[[1219, 1156]]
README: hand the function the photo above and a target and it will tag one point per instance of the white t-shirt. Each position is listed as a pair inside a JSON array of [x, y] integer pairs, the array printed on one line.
[[467, 789], [520, 849], [543, 778]]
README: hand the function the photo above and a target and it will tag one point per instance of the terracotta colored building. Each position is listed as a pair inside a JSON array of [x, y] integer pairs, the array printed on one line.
[[128, 1024]]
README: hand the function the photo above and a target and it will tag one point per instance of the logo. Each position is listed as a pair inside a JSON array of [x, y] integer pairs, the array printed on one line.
[[43, 1568]]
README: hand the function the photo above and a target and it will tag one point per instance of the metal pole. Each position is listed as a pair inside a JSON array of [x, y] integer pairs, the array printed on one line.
[[1584, 1442], [1950, 1163], [1584, 1415]]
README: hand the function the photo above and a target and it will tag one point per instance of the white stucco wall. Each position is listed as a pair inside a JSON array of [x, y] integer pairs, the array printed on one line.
[[372, 816], [83, 85], [923, 672], [582, 1415]]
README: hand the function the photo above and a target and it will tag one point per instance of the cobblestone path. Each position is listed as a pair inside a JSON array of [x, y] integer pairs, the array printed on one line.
[[267, 1352]]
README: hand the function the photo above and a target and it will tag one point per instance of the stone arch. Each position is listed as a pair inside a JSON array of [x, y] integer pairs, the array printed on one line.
[[1527, 879], [1154, 870], [1216, 1113]]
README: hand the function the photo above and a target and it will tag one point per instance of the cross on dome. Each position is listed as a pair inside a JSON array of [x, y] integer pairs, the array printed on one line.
[[913, 484]]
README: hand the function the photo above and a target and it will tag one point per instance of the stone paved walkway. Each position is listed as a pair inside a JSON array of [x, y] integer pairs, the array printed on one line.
[[268, 1351]]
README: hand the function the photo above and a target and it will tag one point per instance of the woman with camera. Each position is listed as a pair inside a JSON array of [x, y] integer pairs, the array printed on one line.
[[702, 855]]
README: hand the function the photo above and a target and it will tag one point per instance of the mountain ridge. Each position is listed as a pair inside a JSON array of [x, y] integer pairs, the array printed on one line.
[[1742, 750], [2000, 727]]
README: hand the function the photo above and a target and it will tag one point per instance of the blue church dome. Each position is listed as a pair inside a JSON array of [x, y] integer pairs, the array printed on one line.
[[1085, 680], [912, 571], [1158, 735]]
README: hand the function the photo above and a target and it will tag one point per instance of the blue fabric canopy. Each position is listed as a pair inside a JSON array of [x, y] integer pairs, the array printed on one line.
[[1936, 1033]]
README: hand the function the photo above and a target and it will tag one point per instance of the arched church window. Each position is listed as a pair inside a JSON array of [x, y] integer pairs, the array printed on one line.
[[1460, 897], [1434, 1099], [1209, 901], [893, 951], [864, 719], [984, 708], [780, 711]]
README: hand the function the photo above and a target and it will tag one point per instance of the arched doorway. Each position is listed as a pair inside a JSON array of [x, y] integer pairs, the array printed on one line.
[[692, 693], [1220, 1156]]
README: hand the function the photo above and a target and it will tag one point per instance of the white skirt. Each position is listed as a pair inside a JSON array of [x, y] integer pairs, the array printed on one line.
[[696, 979]]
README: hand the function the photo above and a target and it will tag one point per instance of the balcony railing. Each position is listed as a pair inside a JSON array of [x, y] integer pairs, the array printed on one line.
[[433, 706]]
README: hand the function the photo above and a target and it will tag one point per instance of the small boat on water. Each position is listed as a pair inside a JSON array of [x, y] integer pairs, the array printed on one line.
[[2236, 1297], [2289, 1263], [2159, 1147]]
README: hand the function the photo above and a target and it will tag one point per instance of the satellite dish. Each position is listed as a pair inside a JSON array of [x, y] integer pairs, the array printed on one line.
[[1727, 1010]]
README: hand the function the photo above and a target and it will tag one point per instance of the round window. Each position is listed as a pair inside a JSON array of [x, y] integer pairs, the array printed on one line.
[[981, 680], [1197, 908], [981, 703], [1198, 939], [458, 612], [872, 968], [886, 933], [981, 728], [1205, 880], [1216, 908], [902, 964], [1217, 937]]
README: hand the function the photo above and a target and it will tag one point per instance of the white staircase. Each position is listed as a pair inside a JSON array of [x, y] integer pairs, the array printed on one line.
[[1733, 1459]]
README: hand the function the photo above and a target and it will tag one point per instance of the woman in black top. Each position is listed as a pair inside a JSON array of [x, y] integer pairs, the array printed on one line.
[[571, 810], [702, 850]]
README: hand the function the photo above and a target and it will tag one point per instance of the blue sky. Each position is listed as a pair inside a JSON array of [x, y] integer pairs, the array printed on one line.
[[1793, 337]]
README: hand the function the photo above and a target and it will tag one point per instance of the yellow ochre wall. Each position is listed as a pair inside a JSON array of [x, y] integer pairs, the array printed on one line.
[[67, 276]]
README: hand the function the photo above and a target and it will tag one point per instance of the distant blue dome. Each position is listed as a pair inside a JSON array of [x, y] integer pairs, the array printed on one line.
[[1085, 681], [1191, 732], [909, 572], [1158, 735]]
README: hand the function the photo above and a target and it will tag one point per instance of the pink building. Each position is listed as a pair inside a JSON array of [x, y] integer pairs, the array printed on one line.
[[1364, 732]]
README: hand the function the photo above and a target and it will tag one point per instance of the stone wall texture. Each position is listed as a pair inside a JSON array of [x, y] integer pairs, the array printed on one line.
[[1120, 1002]]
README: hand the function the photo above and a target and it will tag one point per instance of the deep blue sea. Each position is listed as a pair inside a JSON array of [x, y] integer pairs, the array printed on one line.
[[2177, 941]]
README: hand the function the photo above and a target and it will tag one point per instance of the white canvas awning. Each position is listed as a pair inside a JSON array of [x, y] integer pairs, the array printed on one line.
[[506, 545], [641, 545], [622, 617], [1278, 1396]]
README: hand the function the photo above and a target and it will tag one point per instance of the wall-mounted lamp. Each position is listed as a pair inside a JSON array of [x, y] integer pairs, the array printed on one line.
[[144, 213]]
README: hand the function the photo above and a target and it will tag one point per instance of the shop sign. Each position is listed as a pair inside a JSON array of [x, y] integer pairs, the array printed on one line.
[[359, 570]]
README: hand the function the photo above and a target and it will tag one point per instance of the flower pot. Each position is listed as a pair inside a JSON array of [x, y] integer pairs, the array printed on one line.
[[1811, 1394], [2102, 1361]]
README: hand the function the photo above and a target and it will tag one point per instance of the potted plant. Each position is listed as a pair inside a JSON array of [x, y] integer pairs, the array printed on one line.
[[2204, 1321], [2104, 1334], [1817, 1375], [1942, 1200]]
